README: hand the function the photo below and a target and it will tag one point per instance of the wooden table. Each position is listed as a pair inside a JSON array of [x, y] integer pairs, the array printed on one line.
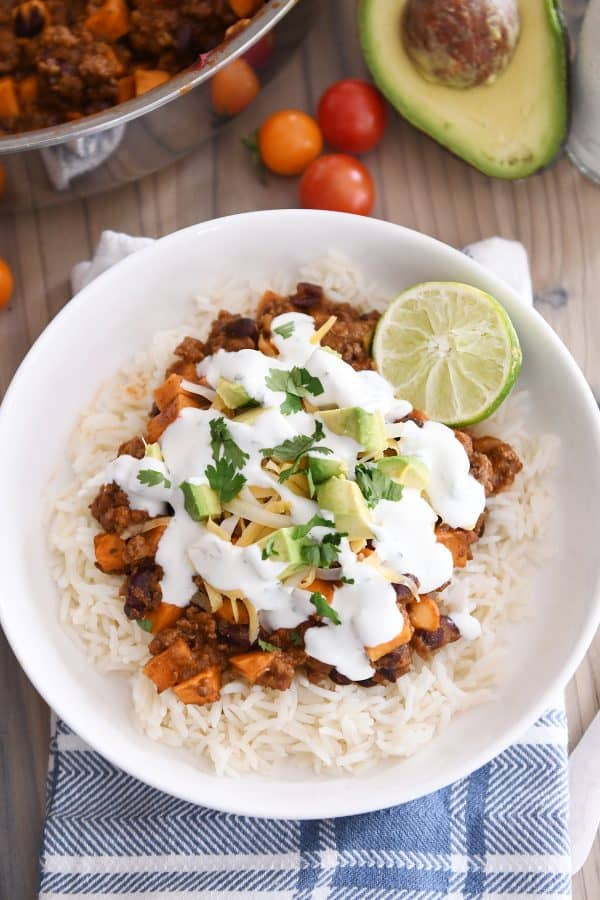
[[556, 215]]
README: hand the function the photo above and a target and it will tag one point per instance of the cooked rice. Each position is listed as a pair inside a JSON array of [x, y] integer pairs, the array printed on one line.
[[326, 727]]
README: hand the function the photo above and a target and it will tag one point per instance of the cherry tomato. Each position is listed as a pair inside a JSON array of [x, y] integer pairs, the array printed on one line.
[[233, 88], [338, 182], [288, 141], [352, 116], [6, 283], [261, 52], [2, 179]]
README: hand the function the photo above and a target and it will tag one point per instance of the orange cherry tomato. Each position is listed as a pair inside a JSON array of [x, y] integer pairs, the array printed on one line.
[[288, 141], [233, 88], [338, 182], [7, 283], [2, 179]]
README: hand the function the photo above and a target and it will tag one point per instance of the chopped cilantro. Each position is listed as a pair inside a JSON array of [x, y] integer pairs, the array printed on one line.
[[324, 554], [269, 549], [295, 383], [375, 485], [223, 445], [345, 580], [223, 480], [265, 645], [323, 608], [295, 449], [145, 624], [300, 531], [286, 330], [151, 478]]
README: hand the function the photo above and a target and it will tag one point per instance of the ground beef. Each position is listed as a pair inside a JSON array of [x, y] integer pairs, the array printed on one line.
[[393, 665], [503, 459], [111, 508], [425, 642], [280, 673], [142, 591], [231, 332], [190, 350], [135, 447]]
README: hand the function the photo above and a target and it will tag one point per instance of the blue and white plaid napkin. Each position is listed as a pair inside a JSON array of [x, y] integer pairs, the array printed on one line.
[[499, 834]]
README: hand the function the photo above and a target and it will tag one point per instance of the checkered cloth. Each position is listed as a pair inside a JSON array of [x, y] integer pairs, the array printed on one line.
[[500, 833]]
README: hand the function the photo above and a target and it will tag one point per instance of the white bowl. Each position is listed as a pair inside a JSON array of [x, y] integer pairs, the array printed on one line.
[[152, 290]]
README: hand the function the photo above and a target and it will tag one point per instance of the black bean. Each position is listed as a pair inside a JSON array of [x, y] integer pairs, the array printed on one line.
[[242, 327], [29, 19]]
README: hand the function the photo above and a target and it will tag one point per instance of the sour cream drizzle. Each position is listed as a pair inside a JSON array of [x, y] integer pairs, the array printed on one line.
[[403, 531]]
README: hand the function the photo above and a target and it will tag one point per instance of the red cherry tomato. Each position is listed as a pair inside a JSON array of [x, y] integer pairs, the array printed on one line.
[[260, 53], [339, 182], [352, 116]]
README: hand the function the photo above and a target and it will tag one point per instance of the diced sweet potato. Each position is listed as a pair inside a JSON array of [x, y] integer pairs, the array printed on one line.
[[9, 101], [186, 369], [173, 665], [164, 616], [205, 687], [125, 89], [424, 613], [167, 416], [323, 587], [147, 79], [168, 391], [110, 552], [252, 665], [245, 8], [457, 541], [375, 653], [110, 21], [226, 612], [28, 90]]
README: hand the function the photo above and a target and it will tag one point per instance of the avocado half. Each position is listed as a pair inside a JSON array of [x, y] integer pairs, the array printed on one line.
[[509, 128]]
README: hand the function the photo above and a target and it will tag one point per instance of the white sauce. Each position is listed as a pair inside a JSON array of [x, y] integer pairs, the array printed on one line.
[[404, 530], [405, 540], [124, 470], [454, 494]]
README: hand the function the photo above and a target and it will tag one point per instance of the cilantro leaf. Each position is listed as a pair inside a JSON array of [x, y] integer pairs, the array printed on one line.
[[145, 624], [270, 648], [295, 383], [223, 480], [324, 554], [300, 531], [345, 580], [269, 548], [295, 449], [151, 478], [286, 330], [323, 608], [375, 485], [222, 442]]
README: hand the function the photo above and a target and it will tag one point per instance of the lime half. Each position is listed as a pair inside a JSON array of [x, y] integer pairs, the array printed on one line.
[[449, 349]]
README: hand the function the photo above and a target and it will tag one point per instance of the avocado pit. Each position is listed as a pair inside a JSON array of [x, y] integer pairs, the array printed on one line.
[[461, 43]]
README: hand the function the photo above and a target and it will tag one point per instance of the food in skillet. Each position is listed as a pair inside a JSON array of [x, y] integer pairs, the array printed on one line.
[[284, 512], [61, 60]]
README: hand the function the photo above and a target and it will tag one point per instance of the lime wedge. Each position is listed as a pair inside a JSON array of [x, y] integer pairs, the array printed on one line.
[[449, 349]]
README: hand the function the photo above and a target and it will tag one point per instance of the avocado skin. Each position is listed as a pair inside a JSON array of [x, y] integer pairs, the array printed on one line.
[[535, 162]]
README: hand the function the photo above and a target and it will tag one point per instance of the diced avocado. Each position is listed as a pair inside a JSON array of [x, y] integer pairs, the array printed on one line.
[[350, 511], [153, 451], [232, 394], [249, 416], [281, 546], [321, 468], [367, 428], [201, 502], [407, 470], [509, 127]]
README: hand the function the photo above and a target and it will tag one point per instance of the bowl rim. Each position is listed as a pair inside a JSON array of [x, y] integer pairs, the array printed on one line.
[[177, 86], [355, 802]]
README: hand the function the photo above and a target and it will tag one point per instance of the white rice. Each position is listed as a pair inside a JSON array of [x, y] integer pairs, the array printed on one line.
[[326, 727]]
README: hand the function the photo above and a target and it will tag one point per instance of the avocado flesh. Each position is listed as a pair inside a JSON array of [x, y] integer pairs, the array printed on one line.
[[322, 468], [366, 428], [406, 470], [232, 394], [509, 128], [350, 511], [200, 501], [284, 547]]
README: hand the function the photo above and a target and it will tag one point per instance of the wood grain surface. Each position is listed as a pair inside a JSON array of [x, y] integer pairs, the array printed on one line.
[[556, 215]]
